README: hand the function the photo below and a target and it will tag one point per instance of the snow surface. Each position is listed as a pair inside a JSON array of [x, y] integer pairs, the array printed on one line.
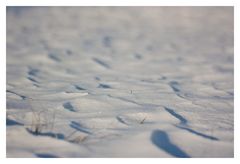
[[120, 82]]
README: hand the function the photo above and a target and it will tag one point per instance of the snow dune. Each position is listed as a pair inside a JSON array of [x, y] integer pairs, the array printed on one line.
[[120, 82]]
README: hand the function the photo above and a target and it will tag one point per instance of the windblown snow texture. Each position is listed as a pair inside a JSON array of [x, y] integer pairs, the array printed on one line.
[[120, 82]]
